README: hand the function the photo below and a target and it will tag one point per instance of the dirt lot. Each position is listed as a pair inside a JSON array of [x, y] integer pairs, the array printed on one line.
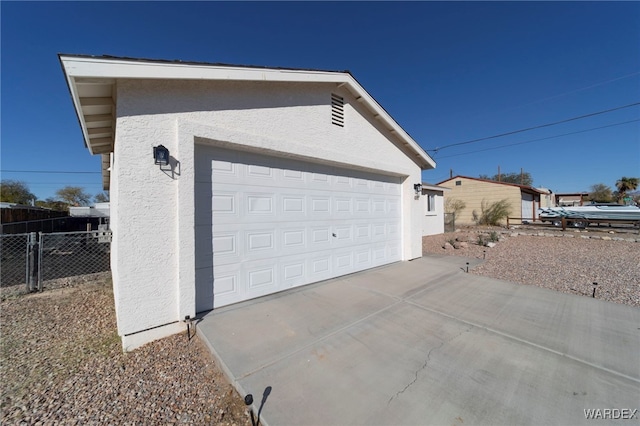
[[62, 363]]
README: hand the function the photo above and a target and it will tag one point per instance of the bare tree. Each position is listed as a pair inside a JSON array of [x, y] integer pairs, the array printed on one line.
[[101, 197], [74, 196]]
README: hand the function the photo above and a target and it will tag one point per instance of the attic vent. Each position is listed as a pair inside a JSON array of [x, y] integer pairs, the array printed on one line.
[[337, 110]]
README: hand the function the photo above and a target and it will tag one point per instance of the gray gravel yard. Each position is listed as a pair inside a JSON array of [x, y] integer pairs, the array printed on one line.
[[62, 363], [569, 262]]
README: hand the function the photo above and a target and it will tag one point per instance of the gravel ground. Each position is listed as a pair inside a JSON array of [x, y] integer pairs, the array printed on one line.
[[569, 262], [62, 363]]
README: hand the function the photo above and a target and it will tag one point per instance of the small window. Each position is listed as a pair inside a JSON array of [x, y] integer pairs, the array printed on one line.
[[337, 110], [431, 203], [458, 182]]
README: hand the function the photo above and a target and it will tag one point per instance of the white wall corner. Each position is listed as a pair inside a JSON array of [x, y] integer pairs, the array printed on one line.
[[186, 221], [136, 340]]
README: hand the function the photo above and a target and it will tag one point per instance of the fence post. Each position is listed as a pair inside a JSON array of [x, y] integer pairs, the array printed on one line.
[[40, 250], [32, 262]]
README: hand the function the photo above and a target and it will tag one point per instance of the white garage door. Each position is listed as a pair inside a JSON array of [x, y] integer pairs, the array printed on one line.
[[527, 206], [266, 224]]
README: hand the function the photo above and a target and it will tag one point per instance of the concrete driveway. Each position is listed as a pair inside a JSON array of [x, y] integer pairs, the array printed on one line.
[[423, 342]]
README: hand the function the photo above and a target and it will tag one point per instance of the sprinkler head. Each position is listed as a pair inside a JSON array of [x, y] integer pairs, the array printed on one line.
[[248, 400]]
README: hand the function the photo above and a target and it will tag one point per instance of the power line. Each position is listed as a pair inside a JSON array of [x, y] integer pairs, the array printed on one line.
[[45, 171], [541, 139], [533, 128]]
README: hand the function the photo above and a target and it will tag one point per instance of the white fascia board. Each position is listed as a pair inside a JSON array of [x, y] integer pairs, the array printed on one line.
[[435, 187], [76, 104], [120, 68], [86, 67]]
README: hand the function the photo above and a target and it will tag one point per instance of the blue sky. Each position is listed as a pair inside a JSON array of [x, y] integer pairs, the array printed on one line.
[[448, 72]]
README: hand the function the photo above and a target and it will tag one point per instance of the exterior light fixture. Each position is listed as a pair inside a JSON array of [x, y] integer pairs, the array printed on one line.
[[161, 155], [418, 188]]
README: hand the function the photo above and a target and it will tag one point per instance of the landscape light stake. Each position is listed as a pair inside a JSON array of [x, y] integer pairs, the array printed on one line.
[[248, 400], [484, 254], [594, 290], [187, 319], [467, 267]]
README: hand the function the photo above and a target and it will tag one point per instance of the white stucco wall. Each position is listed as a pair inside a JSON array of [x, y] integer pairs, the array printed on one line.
[[152, 209], [432, 221]]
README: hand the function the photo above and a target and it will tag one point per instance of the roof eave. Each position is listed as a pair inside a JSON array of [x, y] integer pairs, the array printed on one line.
[[85, 68]]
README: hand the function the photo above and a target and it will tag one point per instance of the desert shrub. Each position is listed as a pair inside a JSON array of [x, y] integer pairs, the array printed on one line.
[[494, 237], [453, 205], [493, 213]]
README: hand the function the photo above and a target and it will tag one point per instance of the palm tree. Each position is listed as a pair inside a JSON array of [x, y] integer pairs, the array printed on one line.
[[625, 184]]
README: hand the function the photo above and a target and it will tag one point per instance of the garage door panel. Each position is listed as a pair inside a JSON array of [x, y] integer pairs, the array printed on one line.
[[320, 207], [260, 279], [320, 267], [293, 239], [226, 205], [292, 207], [265, 224], [227, 284], [363, 258], [362, 232], [319, 238], [294, 271], [343, 261], [378, 230], [379, 254]]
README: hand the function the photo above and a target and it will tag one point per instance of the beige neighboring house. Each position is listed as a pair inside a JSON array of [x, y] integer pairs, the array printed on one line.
[[525, 200], [433, 208]]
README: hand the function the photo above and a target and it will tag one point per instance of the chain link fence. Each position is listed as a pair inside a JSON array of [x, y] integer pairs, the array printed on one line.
[[34, 258], [14, 252], [67, 254]]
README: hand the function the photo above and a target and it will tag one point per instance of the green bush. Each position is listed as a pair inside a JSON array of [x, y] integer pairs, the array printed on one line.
[[493, 213]]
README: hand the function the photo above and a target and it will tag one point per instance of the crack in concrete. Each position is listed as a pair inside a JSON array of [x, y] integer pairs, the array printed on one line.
[[426, 363]]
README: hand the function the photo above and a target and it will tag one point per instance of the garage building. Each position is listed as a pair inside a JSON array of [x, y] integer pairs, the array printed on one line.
[[275, 178]]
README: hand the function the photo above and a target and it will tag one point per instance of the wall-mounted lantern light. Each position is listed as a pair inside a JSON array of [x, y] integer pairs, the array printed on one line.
[[418, 188], [161, 155]]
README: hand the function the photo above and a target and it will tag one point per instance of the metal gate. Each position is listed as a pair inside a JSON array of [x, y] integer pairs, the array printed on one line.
[[34, 258]]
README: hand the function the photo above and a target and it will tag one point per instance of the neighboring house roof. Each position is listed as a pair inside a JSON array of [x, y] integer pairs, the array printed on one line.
[[92, 79], [524, 188], [432, 187]]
